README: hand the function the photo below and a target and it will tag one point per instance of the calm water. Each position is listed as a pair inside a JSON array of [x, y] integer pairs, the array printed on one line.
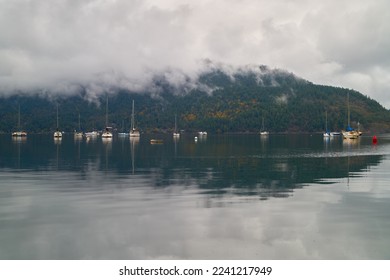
[[224, 197]]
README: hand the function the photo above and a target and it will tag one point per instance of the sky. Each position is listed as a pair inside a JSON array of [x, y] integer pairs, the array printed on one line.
[[57, 46]]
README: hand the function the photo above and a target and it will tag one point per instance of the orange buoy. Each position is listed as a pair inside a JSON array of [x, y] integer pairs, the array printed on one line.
[[374, 140]]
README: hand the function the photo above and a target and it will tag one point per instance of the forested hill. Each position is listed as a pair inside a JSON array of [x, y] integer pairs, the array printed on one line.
[[218, 101]]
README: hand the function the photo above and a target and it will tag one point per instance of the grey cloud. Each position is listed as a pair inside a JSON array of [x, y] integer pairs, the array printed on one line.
[[61, 45]]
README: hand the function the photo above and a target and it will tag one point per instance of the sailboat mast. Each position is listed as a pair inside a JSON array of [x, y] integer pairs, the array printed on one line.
[[262, 123], [132, 117], [326, 121], [175, 124], [107, 110], [348, 110], [57, 117], [19, 118]]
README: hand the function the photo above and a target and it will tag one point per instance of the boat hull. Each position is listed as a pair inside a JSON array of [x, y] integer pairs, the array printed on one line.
[[57, 134], [350, 134], [106, 135], [19, 134]]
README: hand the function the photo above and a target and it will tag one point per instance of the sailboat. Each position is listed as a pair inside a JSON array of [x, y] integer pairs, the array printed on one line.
[[175, 133], [326, 133], [78, 134], [349, 133], [57, 133], [263, 131], [133, 131], [19, 133], [107, 133], [122, 133]]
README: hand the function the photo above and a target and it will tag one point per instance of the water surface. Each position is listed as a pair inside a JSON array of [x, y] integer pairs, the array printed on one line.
[[222, 197]]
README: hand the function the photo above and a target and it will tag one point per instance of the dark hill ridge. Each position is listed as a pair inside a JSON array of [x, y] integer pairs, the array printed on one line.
[[218, 101]]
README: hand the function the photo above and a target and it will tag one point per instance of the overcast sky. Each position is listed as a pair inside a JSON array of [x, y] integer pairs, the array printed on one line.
[[60, 44]]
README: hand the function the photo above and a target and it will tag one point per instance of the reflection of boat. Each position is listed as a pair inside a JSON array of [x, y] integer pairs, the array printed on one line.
[[57, 133], [106, 140], [107, 133], [351, 142], [175, 133], [133, 131], [19, 133], [156, 141]]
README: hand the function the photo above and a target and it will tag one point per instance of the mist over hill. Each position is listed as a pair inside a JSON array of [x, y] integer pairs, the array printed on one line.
[[221, 99]]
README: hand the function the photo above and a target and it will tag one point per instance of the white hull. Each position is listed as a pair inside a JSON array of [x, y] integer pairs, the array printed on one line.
[[92, 134], [19, 134], [134, 133], [106, 134], [123, 134], [78, 135], [57, 134]]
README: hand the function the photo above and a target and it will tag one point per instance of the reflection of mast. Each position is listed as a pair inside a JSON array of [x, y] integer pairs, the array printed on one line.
[[133, 142], [349, 143], [175, 140], [19, 141], [349, 113], [348, 172], [57, 145], [108, 144]]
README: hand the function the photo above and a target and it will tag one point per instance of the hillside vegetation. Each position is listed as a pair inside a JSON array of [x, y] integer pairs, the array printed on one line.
[[218, 102]]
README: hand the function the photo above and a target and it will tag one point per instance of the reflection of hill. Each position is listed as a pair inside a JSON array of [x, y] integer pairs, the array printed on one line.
[[226, 167], [264, 177], [237, 166]]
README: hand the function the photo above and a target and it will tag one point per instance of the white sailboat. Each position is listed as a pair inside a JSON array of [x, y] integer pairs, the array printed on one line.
[[78, 134], [175, 133], [326, 133], [133, 131], [57, 133], [107, 134], [19, 133], [263, 132]]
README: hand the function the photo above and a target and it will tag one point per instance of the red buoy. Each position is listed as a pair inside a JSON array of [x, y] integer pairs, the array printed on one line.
[[374, 140]]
